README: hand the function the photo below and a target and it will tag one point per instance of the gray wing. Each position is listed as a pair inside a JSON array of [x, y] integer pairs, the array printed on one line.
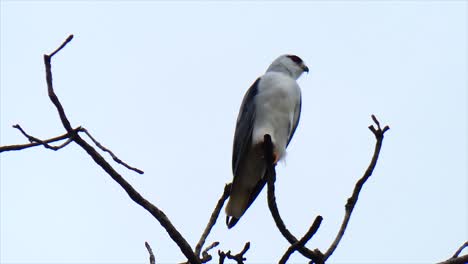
[[297, 116], [244, 126]]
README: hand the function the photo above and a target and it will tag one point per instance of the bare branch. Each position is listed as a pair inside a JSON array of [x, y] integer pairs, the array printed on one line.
[[457, 260], [134, 195], [379, 135], [50, 88], [62, 46], [37, 142], [239, 258], [222, 256], [301, 243], [205, 255], [114, 157], [271, 177], [460, 249], [151, 255], [213, 218]]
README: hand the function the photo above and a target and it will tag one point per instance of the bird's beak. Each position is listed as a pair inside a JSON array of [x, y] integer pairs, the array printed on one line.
[[305, 68]]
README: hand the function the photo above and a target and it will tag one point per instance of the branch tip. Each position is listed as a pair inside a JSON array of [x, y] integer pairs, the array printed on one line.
[[351, 202], [239, 258], [460, 249], [150, 251], [69, 38], [213, 218], [376, 121]]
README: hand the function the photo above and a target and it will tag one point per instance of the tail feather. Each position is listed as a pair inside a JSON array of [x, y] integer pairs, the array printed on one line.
[[237, 203], [231, 221], [244, 203]]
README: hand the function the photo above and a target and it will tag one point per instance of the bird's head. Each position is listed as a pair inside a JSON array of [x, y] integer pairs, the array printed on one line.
[[289, 64]]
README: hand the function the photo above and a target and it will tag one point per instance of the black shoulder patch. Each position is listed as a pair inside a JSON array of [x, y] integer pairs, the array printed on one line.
[[295, 58]]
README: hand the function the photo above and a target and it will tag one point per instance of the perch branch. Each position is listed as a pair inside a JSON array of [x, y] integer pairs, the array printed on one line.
[[271, 177], [379, 135], [134, 195], [151, 255], [213, 218]]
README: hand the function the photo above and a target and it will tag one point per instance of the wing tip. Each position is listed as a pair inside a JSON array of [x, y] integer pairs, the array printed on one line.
[[231, 221]]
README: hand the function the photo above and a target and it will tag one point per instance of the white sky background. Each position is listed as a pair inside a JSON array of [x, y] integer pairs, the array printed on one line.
[[161, 83]]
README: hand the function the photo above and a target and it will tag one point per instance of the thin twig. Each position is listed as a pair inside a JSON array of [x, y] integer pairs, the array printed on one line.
[[40, 142], [222, 256], [239, 258], [151, 255], [301, 243], [34, 139], [460, 249], [134, 195], [205, 255], [213, 218], [271, 176], [114, 157], [62, 46], [379, 135], [458, 260]]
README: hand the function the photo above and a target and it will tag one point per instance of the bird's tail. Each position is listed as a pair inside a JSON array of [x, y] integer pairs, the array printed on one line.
[[236, 205], [231, 221]]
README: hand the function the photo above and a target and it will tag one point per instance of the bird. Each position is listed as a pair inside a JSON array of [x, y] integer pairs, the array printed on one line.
[[272, 105]]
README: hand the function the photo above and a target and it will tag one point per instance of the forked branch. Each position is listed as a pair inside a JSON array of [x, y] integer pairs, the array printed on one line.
[[456, 258], [213, 218], [38, 142], [379, 136], [239, 258], [271, 177], [134, 195], [152, 259], [316, 256]]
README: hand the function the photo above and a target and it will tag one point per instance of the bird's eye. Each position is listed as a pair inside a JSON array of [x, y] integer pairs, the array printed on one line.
[[295, 58]]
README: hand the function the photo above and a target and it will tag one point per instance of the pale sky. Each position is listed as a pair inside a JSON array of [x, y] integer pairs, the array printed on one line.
[[160, 84]]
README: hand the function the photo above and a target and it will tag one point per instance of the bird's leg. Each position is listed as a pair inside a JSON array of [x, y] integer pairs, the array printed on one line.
[[269, 147]]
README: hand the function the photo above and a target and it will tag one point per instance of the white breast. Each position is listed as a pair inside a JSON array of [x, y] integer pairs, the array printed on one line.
[[277, 98]]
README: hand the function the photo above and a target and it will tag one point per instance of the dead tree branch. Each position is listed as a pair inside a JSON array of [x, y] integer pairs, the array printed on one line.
[[456, 258], [379, 136], [33, 139], [134, 195], [316, 256], [213, 218], [239, 258], [114, 157], [38, 142], [206, 257], [301, 243], [150, 252], [271, 177], [460, 249]]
